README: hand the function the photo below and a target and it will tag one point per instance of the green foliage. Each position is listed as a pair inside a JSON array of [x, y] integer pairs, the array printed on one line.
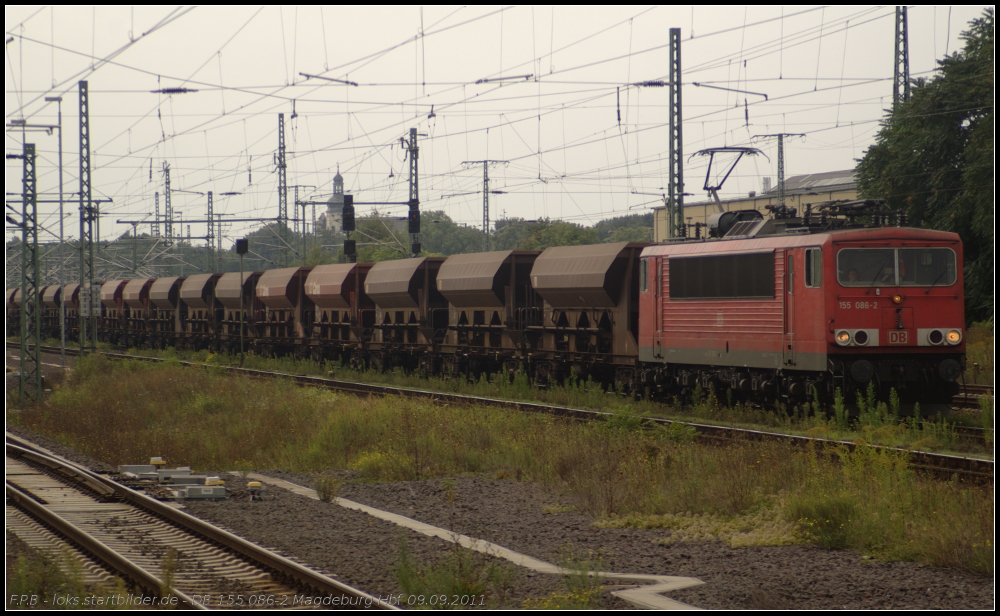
[[318, 256], [45, 576], [986, 418], [933, 158], [327, 487], [631, 234], [839, 410], [624, 419], [460, 579], [826, 518], [440, 234], [519, 234], [607, 228]]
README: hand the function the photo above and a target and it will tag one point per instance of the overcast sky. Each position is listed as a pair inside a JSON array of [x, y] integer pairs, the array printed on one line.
[[582, 143]]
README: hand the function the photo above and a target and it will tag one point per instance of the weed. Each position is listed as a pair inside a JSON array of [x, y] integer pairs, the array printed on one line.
[[168, 568], [767, 526], [986, 417], [624, 419], [826, 518], [327, 487], [555, 509], [839, 410], [467, 575], [582, 579]]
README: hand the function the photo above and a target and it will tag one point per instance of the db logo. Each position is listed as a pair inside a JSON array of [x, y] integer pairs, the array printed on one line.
[[898, 336]]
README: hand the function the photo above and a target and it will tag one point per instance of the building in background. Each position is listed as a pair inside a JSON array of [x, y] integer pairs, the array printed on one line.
[[799, 191], [333, 218]]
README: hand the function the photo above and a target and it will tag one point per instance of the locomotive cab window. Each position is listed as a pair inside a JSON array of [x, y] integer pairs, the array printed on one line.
[[925, 267], [644, 275], [908, 267], [865, 267], [814, 268]]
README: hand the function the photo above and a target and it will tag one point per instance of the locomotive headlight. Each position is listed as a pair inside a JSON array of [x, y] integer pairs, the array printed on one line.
[[861, 337], [897, 298], [954, 336], [935, 337], [843, 338]]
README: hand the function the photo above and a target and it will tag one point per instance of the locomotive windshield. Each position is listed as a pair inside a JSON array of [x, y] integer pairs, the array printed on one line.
[[908, 267]]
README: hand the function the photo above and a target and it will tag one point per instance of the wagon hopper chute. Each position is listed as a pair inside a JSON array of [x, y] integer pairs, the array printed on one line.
[[228, 292], [344, 314], [113, 319], [203, 311], [51, 296], [491, 301], [136, 299], [411, 315], [282, 322], [591, 312], [167, 312]]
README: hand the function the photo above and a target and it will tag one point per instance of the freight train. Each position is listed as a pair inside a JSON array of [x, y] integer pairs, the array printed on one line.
[[787, 308]]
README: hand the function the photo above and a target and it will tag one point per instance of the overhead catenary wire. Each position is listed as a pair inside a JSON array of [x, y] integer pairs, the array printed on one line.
[[366, 145]]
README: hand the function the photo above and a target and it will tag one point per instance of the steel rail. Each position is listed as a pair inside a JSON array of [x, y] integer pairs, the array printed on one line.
[[302, 576], [939, 464]]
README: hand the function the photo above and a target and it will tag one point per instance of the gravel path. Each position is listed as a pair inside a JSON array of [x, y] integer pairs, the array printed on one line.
[[798, 577]]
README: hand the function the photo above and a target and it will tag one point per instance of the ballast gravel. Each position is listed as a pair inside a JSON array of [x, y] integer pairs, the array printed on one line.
[[358, 549], [510, 513]]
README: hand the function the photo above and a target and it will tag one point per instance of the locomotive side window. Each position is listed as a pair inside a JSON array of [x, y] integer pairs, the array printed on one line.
[[723, 277], [814, 268], [925, 267], [865, 267], [644, 275]]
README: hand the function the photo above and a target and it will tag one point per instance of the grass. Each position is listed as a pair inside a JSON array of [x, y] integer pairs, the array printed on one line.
[[462, 578], [38, 580], [928, 434], [582, 582], [979, 354], [124, 412]]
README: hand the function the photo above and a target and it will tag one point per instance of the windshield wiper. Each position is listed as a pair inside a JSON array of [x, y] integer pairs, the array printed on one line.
[[943, 272], [877, 274]]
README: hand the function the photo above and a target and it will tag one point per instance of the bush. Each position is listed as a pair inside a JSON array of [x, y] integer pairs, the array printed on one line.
[[327, 487]]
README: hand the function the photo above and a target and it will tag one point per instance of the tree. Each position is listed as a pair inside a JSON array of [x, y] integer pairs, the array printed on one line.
[[440, 234], [630, 234], [519, 234], [607, 227], [933, 158]]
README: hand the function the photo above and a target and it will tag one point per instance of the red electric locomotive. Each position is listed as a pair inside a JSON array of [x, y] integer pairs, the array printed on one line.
[[791, 306]]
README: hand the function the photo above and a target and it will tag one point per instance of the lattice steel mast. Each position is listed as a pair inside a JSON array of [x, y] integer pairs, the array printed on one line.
[[901, 66], [282, 190], [675, 182], [89, 295], [31, 307]]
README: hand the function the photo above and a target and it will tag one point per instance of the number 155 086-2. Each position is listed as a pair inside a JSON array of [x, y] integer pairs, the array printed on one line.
[[858, 305]]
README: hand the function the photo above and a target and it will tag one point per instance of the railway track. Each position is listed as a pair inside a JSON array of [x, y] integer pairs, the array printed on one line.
[[114, 530], [942, 465]]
